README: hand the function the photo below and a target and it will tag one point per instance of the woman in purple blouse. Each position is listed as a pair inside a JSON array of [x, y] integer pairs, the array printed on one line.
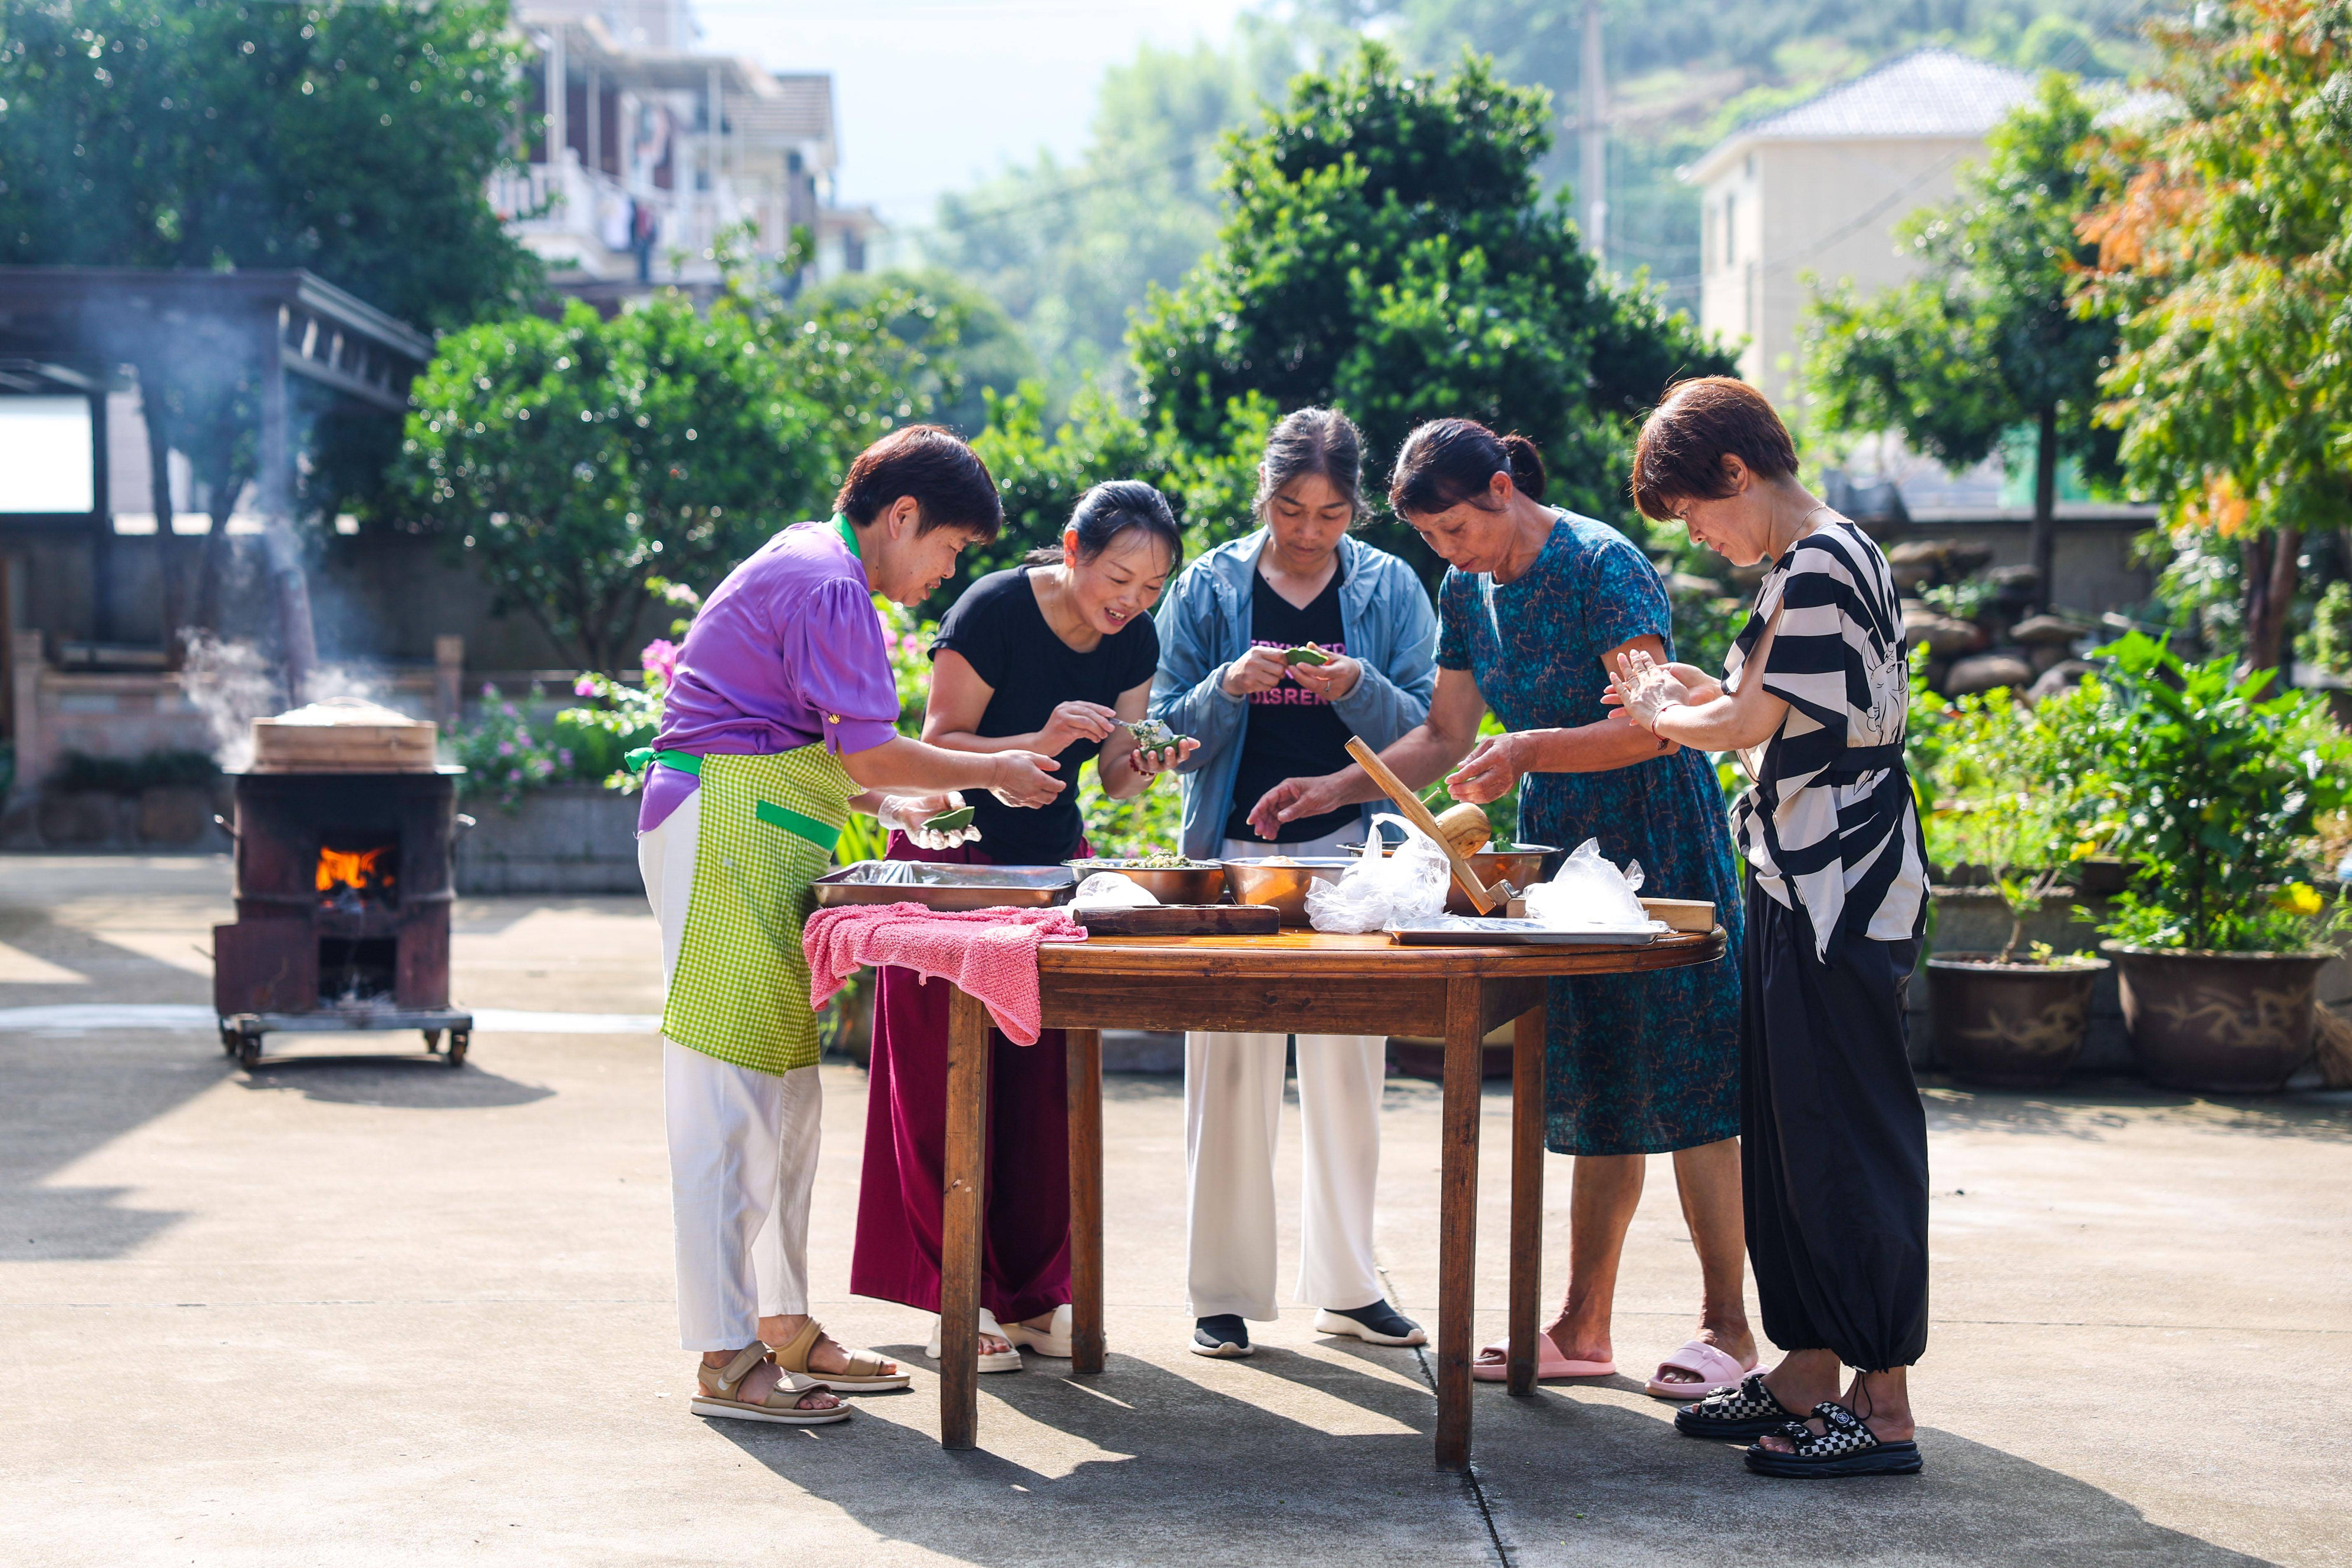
[[779, 720]]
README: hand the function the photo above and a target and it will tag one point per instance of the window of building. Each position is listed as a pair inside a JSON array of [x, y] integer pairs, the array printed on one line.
[[46, 456]]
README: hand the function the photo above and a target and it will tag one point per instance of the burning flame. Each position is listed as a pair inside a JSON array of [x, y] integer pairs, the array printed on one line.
[[350, 869]]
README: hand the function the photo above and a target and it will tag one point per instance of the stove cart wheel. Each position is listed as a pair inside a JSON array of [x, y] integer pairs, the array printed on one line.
[[228, 1040], [458, 1040], [432, 1040], [249, 1050]]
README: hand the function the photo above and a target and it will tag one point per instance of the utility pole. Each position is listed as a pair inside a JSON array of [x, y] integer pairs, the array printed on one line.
[[1592, 135]]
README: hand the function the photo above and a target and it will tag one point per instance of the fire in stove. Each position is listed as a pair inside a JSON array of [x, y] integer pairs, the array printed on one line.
[[359, 871]]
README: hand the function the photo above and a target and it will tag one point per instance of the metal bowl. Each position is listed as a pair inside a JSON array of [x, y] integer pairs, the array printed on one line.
[[1521, 864], [1282, 881], [1168, 884]]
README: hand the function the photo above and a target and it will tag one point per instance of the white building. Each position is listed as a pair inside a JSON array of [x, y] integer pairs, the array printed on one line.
[[1818, 189], [641, 149]]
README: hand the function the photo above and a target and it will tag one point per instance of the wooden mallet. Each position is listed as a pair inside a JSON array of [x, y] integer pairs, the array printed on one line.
[[1450, 836]]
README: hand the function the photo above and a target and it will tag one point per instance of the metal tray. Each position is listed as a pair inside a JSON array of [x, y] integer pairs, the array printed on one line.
[[1465, 930], [945, 887]]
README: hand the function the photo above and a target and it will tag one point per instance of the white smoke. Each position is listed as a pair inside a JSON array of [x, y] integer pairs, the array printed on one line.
[[231, 684]]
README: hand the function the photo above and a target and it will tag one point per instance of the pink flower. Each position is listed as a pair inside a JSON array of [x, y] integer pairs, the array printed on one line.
[[910, 644], [660, 659], [506, 748], [584, 687]]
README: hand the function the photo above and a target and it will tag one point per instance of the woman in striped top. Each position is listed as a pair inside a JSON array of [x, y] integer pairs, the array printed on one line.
[[1833, 1142]]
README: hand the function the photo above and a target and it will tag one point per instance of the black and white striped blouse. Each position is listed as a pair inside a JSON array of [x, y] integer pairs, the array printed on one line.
[[1832, 816]]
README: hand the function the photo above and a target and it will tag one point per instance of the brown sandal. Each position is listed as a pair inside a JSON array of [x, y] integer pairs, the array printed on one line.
[[719, 1385], [864, 1374]]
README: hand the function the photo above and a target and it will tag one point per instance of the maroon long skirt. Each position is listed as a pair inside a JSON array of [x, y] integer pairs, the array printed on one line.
[[1025, 1251]]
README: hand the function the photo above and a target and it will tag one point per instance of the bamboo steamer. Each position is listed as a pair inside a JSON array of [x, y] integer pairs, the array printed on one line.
[[344, 735]]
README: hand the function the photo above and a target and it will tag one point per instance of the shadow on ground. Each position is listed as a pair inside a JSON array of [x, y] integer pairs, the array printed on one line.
[[1165, 1469], [399, 1082], [2097, 1110]]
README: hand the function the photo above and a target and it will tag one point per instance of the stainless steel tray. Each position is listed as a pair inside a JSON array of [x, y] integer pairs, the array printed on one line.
[[946, 887]]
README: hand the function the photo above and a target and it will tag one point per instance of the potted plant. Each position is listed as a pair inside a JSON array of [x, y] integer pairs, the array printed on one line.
[[2014, 1018], [2216, 781]]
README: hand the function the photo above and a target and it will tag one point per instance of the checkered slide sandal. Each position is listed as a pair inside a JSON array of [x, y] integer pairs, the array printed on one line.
[[1747, 1411], [1848, 1449]]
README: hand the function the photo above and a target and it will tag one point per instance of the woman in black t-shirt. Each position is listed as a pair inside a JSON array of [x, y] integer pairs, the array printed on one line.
[[1050, 656]]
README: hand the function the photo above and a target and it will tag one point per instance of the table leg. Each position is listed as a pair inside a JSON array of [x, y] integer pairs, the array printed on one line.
[[965, 1211], [1526, 1193], [1457, 1207], [1085, 1200]]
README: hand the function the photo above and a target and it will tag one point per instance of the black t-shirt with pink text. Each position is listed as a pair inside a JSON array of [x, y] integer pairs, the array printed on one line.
[[1291, 732]]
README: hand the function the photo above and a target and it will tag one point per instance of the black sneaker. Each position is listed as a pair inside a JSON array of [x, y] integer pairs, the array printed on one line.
[[1225, 1336], [1379, 1324]]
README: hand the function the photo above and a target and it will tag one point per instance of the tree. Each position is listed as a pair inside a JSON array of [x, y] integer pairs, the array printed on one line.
[[1988, 337], [1387, 254], [571, 461], [2222, 242], [350, 138], [1069, 249], [988, 352]]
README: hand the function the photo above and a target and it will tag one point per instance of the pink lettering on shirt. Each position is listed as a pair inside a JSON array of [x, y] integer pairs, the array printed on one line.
[[1290, 693]]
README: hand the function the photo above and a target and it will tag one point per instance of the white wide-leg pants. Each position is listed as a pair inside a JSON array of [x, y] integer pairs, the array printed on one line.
[[742, 1147], [1233, 1119]]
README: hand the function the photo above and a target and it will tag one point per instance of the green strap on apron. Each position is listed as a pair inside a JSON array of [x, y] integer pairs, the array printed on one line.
[[824, 835], [791, 821]]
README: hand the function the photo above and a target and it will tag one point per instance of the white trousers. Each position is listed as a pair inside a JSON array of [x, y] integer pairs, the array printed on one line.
[[1232, 1120], [742, 1147]]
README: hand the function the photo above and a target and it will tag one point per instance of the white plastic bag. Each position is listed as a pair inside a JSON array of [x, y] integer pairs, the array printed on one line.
[[1381, 890], [1109, 890], [1589, 891]]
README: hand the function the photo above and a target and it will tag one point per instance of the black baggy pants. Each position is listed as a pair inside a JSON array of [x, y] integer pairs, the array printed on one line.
[[1834, 1142]]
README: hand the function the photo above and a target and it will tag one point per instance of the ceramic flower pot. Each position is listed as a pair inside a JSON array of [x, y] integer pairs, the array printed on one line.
[[2223, 1023], [2010, 1026]]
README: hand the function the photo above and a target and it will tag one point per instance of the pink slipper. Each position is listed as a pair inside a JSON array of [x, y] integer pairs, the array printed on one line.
[[1550, 1365], [1716, 1373]]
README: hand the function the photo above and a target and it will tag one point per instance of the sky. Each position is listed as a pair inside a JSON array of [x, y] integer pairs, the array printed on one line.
[[932, 94]]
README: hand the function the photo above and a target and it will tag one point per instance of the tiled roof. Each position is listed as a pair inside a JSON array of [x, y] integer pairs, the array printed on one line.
[[1928, 93], [801, 110]]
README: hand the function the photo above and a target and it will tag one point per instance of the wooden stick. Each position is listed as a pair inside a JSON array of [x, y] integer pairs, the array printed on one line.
[[1457, 1209], [1526, 1193], [1085, 1200], [962, 1220], [1421, 817]]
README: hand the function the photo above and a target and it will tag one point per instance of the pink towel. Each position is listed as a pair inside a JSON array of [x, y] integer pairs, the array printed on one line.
[[991, 955]]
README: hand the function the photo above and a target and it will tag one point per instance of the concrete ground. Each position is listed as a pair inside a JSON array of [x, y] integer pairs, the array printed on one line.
[[364, 1310]]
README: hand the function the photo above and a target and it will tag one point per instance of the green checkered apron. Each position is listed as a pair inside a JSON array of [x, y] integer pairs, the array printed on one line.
[[740, 990]]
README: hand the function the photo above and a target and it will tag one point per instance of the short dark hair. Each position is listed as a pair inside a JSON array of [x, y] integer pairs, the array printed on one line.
[[1448, 461], [936, 467], [1312, 441], [1114, 508], [1698, 423]]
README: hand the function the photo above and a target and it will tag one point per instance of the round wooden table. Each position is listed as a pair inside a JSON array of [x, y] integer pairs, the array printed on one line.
[[1292, 983]]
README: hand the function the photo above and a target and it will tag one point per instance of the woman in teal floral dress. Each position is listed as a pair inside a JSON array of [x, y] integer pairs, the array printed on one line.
[[1538, 605]]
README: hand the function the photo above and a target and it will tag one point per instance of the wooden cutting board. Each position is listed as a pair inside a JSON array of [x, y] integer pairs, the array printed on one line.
[[1184, 920]]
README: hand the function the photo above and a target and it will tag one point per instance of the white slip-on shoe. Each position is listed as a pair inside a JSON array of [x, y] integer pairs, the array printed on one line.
[[1003, 1361], [1378, 1324], [1054, 1340]]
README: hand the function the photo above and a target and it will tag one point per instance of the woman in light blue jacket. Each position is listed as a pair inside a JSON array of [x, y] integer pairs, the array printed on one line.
[[1223, 625]]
